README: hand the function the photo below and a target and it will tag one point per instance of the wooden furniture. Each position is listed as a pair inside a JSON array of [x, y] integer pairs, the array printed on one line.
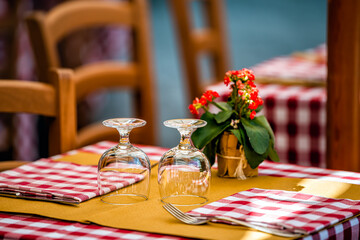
[[343, 106], [47, 29], [8, 31], [54, 100], [209, 41], [91, 218]]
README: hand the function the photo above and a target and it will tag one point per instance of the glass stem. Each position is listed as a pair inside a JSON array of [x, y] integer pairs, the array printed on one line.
[[185, 141], [124, 141]]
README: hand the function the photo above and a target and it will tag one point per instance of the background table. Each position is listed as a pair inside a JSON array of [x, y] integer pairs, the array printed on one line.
[[296, 111], [305, 68], [298, 117], [17, 226]]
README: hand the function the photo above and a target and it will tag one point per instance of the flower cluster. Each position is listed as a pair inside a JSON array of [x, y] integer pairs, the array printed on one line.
[[207, 97], [244, 97], [238, 116]]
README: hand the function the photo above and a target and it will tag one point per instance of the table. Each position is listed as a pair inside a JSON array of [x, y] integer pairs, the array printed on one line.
[[17, 226], [295, 106], [294, 94], [297, 115], [305, 68]]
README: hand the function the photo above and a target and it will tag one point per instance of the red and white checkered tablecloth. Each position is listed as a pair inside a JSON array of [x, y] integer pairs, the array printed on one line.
[[297, 115], [16, 226], [59, 181], [286, 212], [308, 66]]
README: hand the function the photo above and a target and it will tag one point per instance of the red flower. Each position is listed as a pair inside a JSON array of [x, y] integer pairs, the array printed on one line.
[[251, 77], [215, 94], [196, 101], [254, 94], [249, 74], [252, 115], [210, 95], [193, 109], [227, 80], [241, 75], [253, 105], [251, 84], [207, 96], [240, 85], [203, 101], [245, 101], [259, 101]]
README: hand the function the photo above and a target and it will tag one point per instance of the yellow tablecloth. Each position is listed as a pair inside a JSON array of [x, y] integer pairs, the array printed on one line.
[[149, 216]]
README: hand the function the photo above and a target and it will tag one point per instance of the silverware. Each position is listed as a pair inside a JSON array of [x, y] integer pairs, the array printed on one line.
[[185, 218]]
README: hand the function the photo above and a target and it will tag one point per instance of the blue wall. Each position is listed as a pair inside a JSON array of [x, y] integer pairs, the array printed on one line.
[[257, 29]]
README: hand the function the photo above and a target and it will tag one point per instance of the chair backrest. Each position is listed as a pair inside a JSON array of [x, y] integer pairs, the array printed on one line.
[[55, 100], [47, 29], [209, 40]]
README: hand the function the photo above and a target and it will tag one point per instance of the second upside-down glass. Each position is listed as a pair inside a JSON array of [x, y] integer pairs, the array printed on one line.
[[124, 170], [184, 171]]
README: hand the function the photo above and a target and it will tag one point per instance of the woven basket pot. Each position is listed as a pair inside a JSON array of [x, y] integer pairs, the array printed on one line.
[[231, 159]]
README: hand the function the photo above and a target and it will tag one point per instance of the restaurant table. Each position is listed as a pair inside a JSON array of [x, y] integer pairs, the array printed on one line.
[[15, 224], [294, 103], [297, 115], [303, 68]]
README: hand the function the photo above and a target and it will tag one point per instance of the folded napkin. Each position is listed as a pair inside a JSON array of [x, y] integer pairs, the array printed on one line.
[[284, 211], [57, 181]]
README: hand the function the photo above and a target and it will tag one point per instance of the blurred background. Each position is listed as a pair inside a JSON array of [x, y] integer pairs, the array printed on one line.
[[258, 30]]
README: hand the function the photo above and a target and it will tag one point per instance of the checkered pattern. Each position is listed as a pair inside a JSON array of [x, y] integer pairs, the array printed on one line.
[[297, 116], [153, 152], [59, 181], [30, 227], [307, 66], [346, 230], [267, 168], [290, 212]]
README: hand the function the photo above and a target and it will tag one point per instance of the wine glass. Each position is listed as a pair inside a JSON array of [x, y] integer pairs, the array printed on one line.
[[184, 171], [124, 170]]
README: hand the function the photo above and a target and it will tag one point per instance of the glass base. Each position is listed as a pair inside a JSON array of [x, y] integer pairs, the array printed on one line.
[[184, 200], [123, 199]]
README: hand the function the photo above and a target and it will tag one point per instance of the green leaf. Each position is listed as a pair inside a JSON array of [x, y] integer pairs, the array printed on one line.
[[237, 134], [203, 136], [252, 157], [223, 116], [257, 135], [224, 105], [210, 150], [272, 152], [259, 108], [261, 120]]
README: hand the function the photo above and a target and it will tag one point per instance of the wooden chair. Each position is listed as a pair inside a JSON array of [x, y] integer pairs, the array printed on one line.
[[56, 100], [210, 40], [47, 29]]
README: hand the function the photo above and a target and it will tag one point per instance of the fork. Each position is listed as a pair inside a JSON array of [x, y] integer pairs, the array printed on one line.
[[185, 218]]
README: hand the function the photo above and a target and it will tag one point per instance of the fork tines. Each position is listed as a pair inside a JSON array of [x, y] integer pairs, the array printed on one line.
[[179, 214]]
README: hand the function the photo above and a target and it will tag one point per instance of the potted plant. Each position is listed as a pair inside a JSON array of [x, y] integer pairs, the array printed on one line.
[[234, 134]]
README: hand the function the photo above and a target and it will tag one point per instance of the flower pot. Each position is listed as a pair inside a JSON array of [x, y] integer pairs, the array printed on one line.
[[231, 158]]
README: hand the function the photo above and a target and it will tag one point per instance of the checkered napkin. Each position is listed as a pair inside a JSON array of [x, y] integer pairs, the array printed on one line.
[[289, 212], [57, 181]]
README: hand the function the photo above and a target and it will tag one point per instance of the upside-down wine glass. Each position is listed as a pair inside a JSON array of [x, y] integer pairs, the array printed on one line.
[[184, 171], [124, 170]]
